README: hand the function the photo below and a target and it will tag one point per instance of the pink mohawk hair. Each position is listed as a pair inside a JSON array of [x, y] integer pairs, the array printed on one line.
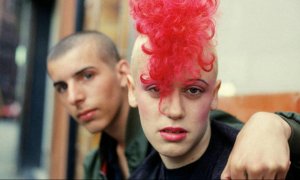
[[179, 33]]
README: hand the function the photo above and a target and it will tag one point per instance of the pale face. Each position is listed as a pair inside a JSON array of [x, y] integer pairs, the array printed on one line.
[[178, 128], [90, 90]]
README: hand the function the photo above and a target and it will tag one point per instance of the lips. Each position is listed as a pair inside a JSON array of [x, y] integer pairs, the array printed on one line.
[[173, 134], [87, 115]]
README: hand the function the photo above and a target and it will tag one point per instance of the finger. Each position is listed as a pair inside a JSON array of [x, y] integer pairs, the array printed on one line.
[[270, 175], [255, 173], [246, 175], [237, 171], [226, 172], [278, 173], [281, 174], [238, 174]]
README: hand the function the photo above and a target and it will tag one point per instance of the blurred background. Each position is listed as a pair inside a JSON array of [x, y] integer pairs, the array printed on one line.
[[258, 44]]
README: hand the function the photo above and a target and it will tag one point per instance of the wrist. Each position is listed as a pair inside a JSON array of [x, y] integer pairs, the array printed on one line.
[[274, 123], [286, 127]]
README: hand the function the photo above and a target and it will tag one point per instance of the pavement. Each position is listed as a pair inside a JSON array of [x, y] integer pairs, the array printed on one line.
[[9, 132]]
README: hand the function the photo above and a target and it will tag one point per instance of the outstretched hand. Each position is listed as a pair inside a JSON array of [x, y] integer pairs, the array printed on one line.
[[261, 150]]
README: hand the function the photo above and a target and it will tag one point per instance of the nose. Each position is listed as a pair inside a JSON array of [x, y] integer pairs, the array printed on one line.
[[75, 94], [172, 106]]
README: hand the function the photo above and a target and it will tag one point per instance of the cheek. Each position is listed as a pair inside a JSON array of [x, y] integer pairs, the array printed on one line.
[[201, 112], [70, 109], [144, 108], [106, 87], [65, 104], [148, 107]]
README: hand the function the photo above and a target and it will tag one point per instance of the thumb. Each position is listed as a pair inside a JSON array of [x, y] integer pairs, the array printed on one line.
[[226, 172]]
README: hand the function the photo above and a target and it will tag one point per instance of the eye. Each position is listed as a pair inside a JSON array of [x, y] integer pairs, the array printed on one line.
[[87, 75], [194, 91], [153, 90], [61, 88]]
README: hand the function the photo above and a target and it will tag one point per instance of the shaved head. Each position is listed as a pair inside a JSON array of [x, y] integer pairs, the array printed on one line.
[[95, 40], [139, 56]]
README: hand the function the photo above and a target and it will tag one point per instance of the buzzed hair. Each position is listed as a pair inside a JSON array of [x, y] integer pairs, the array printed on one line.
[[103, 45]]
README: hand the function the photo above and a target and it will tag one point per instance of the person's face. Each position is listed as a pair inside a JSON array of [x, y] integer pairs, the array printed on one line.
[[89, 88], [178, 126]]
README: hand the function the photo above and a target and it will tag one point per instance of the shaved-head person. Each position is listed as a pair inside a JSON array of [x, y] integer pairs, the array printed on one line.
[[174, 84]]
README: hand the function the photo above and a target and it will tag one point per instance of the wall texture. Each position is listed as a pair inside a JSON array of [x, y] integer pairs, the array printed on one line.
[[259, 46]]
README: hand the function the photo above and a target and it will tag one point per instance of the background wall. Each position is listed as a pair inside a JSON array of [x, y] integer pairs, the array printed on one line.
[[259, 46]]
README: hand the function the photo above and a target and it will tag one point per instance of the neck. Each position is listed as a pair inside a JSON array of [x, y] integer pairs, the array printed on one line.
[[117, 129]]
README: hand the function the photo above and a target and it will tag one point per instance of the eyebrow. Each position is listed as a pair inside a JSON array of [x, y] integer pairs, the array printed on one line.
[[146, 81], [201, 80], [58, 83], [74, 75], [82, 70]]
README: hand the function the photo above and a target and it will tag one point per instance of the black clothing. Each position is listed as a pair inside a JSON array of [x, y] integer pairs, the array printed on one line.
[[209, 166]]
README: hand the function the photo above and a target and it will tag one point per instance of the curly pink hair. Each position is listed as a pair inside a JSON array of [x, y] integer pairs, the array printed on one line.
[[179, 32]]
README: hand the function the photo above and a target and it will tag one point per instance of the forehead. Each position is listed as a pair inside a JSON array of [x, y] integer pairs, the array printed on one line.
[[140, 63], [74, 60]]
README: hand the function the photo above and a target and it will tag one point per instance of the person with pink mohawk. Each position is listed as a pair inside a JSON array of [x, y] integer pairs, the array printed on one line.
[[174, 84]]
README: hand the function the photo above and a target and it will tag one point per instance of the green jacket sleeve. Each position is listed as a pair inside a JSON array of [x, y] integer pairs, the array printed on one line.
[[293, 119]]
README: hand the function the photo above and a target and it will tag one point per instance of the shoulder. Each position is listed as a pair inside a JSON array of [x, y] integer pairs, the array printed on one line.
[[225, 131], [225, 117]]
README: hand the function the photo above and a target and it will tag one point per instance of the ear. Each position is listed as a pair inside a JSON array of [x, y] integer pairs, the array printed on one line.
[[131, 91], [122, 69], [214, 103]]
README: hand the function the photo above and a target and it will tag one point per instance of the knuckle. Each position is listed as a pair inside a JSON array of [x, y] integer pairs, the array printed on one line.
[[239, 166], [284, 166], [256, 169]]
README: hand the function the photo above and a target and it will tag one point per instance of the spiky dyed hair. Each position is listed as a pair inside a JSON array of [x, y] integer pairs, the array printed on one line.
[[179, 33]]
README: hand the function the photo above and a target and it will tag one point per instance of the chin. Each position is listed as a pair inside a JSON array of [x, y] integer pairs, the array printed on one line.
[[172, 152], [94, 130]]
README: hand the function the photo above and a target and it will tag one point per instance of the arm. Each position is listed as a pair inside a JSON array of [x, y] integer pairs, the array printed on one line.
[[270, 157], [293, 119]]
